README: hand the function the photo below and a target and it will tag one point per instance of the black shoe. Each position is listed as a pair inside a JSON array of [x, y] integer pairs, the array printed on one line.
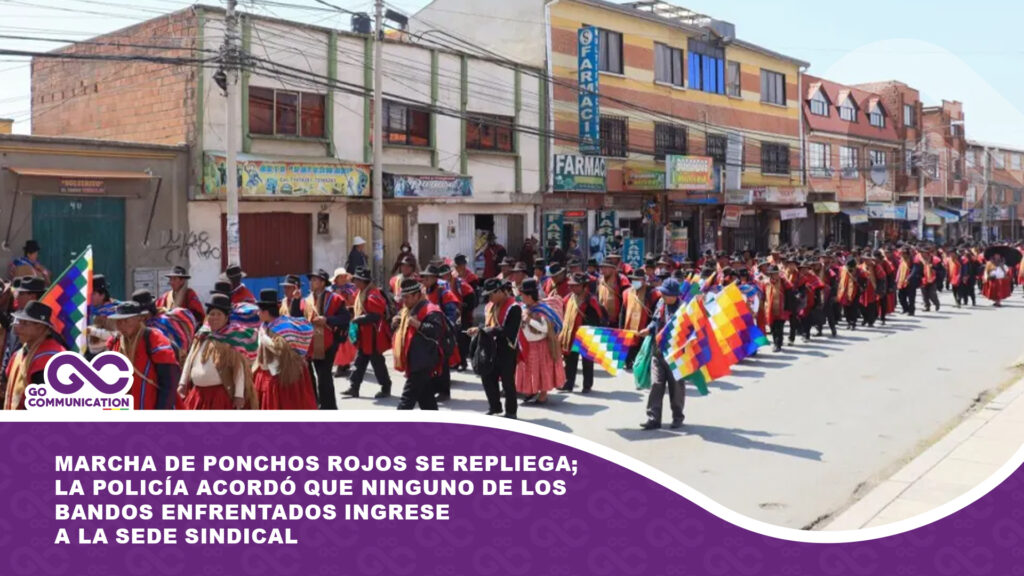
[[777, 349], [493, 412], [586, 391], [650, 425], [351, 392], [511, 417], [676, 424], [531, 399], [834, 333], [444, 397], [382, 394], [565, 390]]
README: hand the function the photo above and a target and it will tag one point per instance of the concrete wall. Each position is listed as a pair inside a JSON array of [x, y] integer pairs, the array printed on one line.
[[512, 28]]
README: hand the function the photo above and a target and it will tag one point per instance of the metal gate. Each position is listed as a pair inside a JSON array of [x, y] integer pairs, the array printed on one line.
[[65, 225]]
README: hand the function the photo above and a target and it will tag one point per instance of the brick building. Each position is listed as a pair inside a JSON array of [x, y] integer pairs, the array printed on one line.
[[995, 187]]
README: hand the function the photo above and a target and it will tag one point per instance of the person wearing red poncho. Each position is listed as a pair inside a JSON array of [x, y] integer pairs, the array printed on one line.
[[239, 293], [181, 296], [281, 379], [996, 281], [151, 354], [449, 303], [848, 292], [776, 292], [929, 280], [811, 287], [870, 285], [417, 346], [40, 344], [373, 335]]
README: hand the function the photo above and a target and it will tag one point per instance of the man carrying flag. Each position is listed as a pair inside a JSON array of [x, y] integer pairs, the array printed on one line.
[[661, 375]]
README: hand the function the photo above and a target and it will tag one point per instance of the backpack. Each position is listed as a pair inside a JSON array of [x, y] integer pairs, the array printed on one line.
[[484, 350], [448, 342]]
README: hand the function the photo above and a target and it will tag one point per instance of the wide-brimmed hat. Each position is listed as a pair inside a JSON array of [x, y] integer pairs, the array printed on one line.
[[460, 259], [540, 264], [128, 309], [444, 270], [144, 298], [37, 312], [221, 288], [234, 273], [176, 272], [671, 287], [492, 285], [31, 285], [220, 302], [340, 272], [100, 284], [530, 286], [607, 263], [574, 263], [579, 280], [638, 274], [774, 270], [519, 267], [292, 280], [321, 274], [431, 272], [592, 262], [556, 269], [358, 241], [268, 299], [362, 274], [407, 261], [410, 286], [507, 261], [30, 247]]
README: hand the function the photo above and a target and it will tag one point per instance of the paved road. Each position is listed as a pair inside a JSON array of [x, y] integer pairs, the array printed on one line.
[[792, 438]]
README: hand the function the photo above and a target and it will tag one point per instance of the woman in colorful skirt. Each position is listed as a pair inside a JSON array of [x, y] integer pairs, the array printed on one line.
[[282, 380], [346, 353], [216, 374], [997, 286], [539, 369]]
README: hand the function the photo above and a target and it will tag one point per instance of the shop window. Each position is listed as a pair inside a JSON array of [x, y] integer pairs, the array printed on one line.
[[405, 125], [285, 113], [487, 132]]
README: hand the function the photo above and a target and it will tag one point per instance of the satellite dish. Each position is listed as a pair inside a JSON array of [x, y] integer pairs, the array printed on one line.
[[879, 175]]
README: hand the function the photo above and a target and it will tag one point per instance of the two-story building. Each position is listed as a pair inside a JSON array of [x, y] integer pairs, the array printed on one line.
[[995, 186], [462, 153], [669, 85]]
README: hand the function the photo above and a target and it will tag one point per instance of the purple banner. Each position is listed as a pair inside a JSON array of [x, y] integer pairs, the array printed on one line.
[[567, 512]]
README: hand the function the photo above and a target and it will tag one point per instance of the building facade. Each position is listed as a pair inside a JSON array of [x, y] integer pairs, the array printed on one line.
[[995, 186], [462, 154]]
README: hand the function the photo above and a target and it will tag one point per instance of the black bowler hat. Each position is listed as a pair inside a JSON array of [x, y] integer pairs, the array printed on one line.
[[579, 280], [431, 272], [460, 259], [507, 262], [492, 285], [128, 309], [444, 270], [592, 262], [292, 280], [32, 285], [234, 273], [37, 312], [178, 272], [410, 286], [407, 261], [556, 269], [31, 246], [539, 264], [222, 288], [220, 302], [321, 274], [99, 284], [362, 274], [530, 287], [145, 299], [638, 274], [519, 267], [268, 299]]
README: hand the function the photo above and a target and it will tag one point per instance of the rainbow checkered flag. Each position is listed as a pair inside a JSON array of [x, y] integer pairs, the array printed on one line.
[[605, 346], [69, 299]]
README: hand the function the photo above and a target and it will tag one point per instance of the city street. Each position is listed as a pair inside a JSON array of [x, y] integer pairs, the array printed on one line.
[[795, 437]]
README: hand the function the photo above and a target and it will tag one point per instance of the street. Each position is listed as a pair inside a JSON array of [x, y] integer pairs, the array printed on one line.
[[795, 437]]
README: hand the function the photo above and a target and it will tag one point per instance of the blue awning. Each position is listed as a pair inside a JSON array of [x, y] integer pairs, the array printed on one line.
[[949, 217], [857, 215]]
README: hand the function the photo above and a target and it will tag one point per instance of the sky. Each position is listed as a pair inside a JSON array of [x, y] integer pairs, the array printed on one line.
[[947, 49]]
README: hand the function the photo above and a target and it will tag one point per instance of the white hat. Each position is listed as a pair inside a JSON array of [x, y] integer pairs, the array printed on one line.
[[358, 241], [340, 272]]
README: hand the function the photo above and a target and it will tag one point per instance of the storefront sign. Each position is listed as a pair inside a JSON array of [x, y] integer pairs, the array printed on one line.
[[739, 197], [689, 173], [643, 178], [773, 195], [913, 211], [886, 212], [432, 186], [75, 186], [606, 222], [793, 214], [575, 214], [553, 224], [575, 173], [267, 177], [587, 76], [878, 194], [633, 252], [826, 207], [731, 215], [680, 244]]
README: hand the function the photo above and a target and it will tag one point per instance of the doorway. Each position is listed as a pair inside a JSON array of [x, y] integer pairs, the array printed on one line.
[[65, 225], [427, 243]]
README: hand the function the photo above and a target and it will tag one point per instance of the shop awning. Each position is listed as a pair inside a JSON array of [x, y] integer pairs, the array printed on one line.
[[80, 174], [931, 218], [957, 211], [826, 207], [857, 215], [946, 215]]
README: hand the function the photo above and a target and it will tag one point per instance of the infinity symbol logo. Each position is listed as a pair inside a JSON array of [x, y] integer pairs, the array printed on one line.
[[73, 380]]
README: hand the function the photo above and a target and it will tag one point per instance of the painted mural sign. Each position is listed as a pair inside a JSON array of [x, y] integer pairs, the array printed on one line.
[[589, 106], [267, 177], [633, 252], [432, 186], [689, 173], [553, 226], [574, 173], [640, 179]]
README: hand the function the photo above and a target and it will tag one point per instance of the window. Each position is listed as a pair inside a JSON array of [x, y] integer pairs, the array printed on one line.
[[668, 65], [878, 158], [285, 113], [819, 157], [773, 87], [669, 139], [614, 136], [877, 118], [486, 132], [847, 111], [819, 104], [774, 158], [611, 52], [1015, 161], [1016, 196], [908, 116], [908, 162], [405, 126], [849, 162], [707, 67], [958, 171], [732, 80], [998, 160], [716, 146]]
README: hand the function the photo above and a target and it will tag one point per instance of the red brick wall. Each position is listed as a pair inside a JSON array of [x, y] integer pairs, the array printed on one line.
[[127, 101]]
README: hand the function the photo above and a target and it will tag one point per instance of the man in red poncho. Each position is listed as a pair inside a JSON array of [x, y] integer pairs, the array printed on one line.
[[40, 344], [155, 382], [373, 337]]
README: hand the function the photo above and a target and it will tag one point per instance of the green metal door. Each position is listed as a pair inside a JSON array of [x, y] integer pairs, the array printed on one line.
[[65, 225]]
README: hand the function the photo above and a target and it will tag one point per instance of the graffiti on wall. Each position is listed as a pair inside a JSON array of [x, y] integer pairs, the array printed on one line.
[[180, 245]]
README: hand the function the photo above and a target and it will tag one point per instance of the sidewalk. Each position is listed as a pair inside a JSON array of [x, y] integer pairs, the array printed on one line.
[[954, 465]]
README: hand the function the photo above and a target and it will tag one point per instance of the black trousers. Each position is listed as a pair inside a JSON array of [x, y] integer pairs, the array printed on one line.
[[442, 383], [967, 291], [631, 357], [417, 391], [851, 313], [323, 381], [795, 327], [931, 297], [380, 370], [662, 381], [778, 330], [505, 371], [908, 300], [832, 312], [572, 360], [869, 313], [462, 338]]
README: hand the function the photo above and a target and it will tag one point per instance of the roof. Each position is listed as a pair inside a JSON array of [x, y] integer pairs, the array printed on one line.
[[94, 142], [629, 10], [994, 146], [833, 124], [84, 174]]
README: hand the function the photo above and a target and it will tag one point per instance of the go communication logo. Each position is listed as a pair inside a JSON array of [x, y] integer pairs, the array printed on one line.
[[73, 383]]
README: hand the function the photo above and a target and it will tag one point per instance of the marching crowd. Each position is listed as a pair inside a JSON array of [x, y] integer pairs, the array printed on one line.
[[237, 350]]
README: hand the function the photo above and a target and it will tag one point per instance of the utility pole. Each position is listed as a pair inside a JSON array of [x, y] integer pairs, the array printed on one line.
[[230, 59], [987, 194], [921, 165], [377, 232]]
